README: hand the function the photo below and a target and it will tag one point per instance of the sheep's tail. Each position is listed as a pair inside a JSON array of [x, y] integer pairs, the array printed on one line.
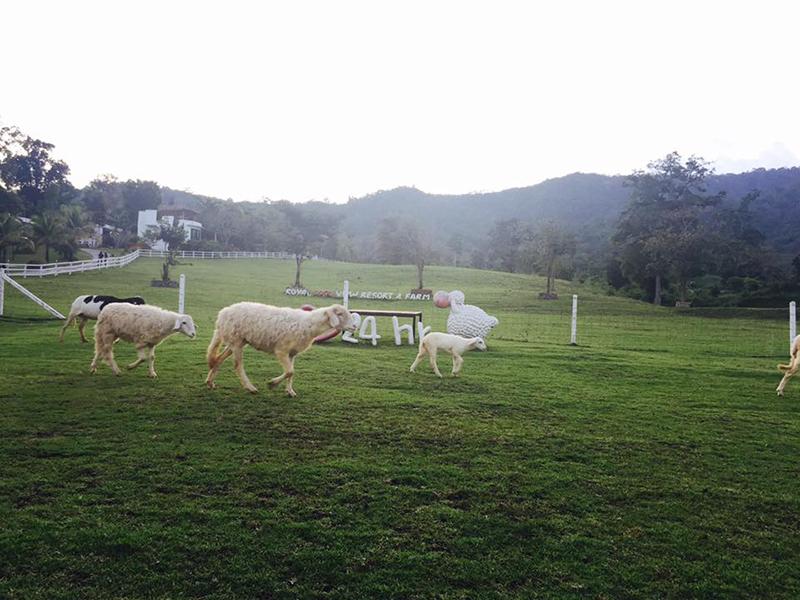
[[212, 354], [794, 356]]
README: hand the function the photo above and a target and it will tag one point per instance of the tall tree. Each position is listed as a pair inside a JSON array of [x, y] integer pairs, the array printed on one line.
[[137, 195], [48, 231], [102, 199], [28, 169], [173, 235], [552, 245], [13, 235], [506, 242], [402, 241], [662, 230], [306, 231]]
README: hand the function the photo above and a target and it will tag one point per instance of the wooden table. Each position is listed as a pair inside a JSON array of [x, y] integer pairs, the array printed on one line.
[[412, 314]]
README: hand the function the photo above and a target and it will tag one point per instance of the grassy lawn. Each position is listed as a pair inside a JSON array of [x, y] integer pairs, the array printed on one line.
[[653, 460]]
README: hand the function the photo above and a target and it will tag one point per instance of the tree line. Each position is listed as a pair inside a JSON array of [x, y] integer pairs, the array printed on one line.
[[675, 239]]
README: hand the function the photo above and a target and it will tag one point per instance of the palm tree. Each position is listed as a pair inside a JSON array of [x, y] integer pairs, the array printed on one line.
[[48, 230], [12, 235], [76, 226]]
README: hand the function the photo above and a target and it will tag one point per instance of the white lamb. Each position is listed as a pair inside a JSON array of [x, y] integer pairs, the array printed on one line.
[[453, 344], [285, 332], [791, 369], [146, 326]]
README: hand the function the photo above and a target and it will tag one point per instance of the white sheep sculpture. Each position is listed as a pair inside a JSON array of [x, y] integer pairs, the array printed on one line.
[[465, 320], [88, 307], [284, 332], [146, 326], [455, 345]]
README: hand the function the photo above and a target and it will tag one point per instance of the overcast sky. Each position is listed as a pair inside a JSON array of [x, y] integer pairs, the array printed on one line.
[[332, 99]]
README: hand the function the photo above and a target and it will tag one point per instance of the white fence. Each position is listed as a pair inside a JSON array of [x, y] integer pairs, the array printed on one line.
[[80, 266], [76, 266], [201, 254]]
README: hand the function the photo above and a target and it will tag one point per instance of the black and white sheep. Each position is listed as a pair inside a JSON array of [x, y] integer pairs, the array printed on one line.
[[146, 326], [285, 332], [88, 307]]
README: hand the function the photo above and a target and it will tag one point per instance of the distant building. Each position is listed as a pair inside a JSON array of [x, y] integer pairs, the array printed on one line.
[[183, 217], [101, 235]]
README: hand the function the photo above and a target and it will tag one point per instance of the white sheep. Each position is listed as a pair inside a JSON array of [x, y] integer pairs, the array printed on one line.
[[453, 344], [285, 332], [146, 326], [791, 369], [88, 307]]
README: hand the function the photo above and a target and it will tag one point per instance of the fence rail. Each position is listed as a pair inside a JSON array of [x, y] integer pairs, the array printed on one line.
[[81, 266], [214, 255], [75, 266]]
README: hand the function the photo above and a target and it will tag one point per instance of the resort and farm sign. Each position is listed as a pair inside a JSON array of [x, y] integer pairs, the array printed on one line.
[[363, 295]]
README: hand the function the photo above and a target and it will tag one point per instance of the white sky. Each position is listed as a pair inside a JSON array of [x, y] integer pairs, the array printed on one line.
[[331, 99]]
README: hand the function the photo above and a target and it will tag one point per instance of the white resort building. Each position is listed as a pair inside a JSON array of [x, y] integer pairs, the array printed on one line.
[[180, 216]]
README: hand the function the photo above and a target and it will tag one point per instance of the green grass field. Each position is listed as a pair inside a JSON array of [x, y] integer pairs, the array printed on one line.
[[653, 460]]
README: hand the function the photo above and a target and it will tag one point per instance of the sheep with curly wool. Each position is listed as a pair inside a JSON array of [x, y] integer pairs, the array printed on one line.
[[284, 332], [88, 307], [455, 345], [146, 326]]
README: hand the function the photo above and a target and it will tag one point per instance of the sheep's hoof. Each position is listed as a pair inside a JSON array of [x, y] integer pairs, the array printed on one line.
[[252, 389], [273, 384], [152, 375], [84, 341], [780, 392], [93, 370], [291, 393], [211, 385]]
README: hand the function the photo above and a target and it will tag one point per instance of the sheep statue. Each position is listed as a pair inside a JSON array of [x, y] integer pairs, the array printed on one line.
[[146, 326], [465, 320], [88, 307]]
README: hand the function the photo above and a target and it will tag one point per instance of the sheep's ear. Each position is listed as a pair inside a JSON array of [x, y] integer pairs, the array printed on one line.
[[333, 318], [178, 323]]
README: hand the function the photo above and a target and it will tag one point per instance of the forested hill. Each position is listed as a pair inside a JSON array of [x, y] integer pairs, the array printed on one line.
[[574, 200], [586, 203]]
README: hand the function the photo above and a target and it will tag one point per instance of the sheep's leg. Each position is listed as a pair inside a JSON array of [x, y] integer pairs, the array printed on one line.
[[238, 364], [458, 362], [104, 349], [81, 325], [282, 357], [790, 372], [93, 366], [290, 375], [70, 319], [418, 359], [109, 358], [151, 361], [141, 350], [434, 366], [218, 360]]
